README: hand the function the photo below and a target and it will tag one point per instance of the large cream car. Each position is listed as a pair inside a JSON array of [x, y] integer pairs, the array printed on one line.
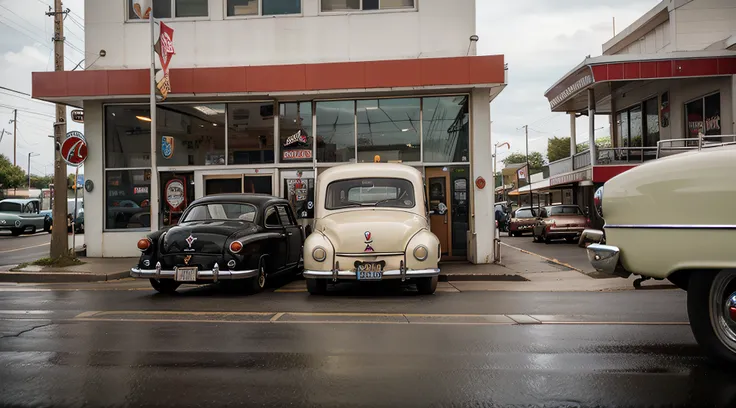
[[674, 218], [371, 224]]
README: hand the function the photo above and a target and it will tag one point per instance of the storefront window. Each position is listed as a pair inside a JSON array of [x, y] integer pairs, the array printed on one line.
[[295, 132], [161, 9], [191, 135], [251, 132], [275, 7], [713, 114], [191, 8], [177, 192], [704, 116], [388, 128], [127, 136], [335, 131], [635, 126], [127, 199], [651, 110], [446, 129]]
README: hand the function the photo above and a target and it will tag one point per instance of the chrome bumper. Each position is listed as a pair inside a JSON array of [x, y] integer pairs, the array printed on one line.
[[604, 258], [391, 274], [213, 275]]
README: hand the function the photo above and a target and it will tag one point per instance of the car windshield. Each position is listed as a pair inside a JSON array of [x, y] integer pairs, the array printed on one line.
[[370, 192], [221, 211], [10, 207], [565, 210], [526, 213]]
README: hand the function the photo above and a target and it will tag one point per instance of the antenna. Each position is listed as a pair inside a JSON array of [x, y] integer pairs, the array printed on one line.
[[614, 26]]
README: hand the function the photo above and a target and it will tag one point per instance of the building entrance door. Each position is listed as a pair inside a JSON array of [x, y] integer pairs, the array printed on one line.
[[297, 186], [447, 196]]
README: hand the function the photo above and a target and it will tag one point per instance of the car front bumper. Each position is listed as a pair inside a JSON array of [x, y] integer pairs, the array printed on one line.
[[206, 275], [389, 274], [604, 258]]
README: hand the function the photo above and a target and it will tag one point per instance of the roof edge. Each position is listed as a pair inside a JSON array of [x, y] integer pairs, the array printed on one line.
[[658, 14]]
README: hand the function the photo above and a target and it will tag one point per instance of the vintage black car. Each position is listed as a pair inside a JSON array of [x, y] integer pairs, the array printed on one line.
[[243, 237]]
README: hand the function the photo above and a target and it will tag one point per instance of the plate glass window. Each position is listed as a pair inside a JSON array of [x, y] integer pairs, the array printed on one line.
[[127, 199], [251, 133], [340, 5], [161, 9], [445, 124], [127, 136], [191, 135], [191, 8], [388, 128], [242, 8], [278, 7], [651, 110], [295, 132], [336, 131], [712, 105]]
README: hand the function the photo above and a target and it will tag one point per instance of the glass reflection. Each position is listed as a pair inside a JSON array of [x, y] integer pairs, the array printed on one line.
[[388, 128], [335, 131], [446, 129]]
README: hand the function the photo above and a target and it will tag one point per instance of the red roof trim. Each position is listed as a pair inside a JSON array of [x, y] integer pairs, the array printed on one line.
[[601, 174], [424, 72]]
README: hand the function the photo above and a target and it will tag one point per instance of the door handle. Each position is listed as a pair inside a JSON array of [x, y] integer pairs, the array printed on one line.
[[445, 218]]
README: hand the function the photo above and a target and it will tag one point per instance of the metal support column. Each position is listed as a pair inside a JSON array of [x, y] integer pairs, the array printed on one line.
[[591, 127]]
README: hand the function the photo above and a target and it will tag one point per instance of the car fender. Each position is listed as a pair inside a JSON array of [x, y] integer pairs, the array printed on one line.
[[314, 240], [426, 238]]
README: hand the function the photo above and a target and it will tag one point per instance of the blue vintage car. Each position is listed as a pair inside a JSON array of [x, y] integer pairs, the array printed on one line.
[[79, 222], [21, 216]]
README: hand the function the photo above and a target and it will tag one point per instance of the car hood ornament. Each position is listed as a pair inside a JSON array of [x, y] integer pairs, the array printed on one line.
[[368, 242], [190, 240]]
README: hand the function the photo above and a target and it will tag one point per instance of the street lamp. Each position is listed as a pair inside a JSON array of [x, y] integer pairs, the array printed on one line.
[[29, 169], [495, 149]]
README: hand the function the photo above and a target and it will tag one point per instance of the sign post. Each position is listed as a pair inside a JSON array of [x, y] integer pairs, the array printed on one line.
[[74, 153]]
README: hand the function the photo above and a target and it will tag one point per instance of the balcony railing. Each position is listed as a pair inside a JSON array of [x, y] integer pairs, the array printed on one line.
[[625, 155], [581, 160], [669, 147], [561, 166]]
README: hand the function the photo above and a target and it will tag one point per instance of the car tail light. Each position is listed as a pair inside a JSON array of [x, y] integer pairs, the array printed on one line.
[[144, 244], [598, 201], [236, 246]]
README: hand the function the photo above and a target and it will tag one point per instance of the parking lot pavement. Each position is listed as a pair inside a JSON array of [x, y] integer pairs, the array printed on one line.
[[561, 250]]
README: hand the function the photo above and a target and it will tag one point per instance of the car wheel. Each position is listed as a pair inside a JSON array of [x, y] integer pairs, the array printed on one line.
[[259, 282], [317, 286], [427, 286], [511, 234], [547, 239], [571, 240], [166, 286], [16, 231], [517, 234], [534, 237], [711, 308]]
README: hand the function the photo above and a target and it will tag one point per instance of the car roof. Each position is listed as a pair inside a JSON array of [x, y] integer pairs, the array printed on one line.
[[19, 200], [373, 170], [259, 200]]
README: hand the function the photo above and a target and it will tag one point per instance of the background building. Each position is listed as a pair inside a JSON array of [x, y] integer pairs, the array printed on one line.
[[266, 94]]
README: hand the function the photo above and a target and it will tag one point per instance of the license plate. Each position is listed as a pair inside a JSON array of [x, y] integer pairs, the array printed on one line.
[[370, 271], [186, 274]]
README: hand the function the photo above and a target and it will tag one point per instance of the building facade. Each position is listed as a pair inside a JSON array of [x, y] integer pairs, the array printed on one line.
[[265, 94], [667, 84]]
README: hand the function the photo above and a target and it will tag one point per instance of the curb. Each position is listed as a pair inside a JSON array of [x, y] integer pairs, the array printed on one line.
[[60, 277], [470, 277], [550, 260]]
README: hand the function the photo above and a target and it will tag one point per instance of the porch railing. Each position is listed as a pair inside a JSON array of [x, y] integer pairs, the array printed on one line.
[[561, 166], [581, 160], [669, 147], [625, 155]]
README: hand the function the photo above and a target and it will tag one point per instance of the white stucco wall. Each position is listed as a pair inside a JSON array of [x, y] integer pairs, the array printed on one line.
[[483, 227], [438, 28], [700, 23]]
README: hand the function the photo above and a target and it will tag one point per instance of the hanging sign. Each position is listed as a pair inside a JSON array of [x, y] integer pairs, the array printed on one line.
[[297, 154], [77, 115], [165, 49], [74, 148]]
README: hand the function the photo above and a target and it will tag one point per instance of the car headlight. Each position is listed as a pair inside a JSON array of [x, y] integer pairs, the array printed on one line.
[[421, 253], [598, 201], [319, 254]]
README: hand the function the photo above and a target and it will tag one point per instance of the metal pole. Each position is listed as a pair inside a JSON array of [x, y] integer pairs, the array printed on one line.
[[528, 170], [29, 173], [591, 127], [15, 136], [74, 217], [59, 240], [154, 192]]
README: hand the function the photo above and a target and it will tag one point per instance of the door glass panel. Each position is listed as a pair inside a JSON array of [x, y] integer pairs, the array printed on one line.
[[257, 184], [635, 121], [694, 112], [651, 110], [177, 192], [460, 206], [713, 114], [223, 186], [437, 195], [300, 193]]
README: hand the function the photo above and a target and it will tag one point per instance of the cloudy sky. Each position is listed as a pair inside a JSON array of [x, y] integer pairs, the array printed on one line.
[[541, 39]]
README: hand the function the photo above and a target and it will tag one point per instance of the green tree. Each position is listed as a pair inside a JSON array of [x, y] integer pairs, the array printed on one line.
[[558, 148], [71, 181], [41, 182], [600, 142], [536, 160], [11, 176]]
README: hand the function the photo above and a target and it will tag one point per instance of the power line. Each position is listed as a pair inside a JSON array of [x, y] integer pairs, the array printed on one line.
[[26, 111], [13, 90]]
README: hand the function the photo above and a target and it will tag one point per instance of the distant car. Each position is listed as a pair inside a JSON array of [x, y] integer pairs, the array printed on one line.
[[79, 221], [522, 221], [560, 222], [21, 216], [371, 224], [651, 230], [48, 222], [247, 237]]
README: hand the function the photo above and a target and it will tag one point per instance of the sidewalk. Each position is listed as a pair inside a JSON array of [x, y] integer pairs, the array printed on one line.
[[93, 270]]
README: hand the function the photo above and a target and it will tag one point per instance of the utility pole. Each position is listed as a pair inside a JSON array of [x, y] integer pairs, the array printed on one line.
[[59, 241], [15, 136], [31, 154], [528, 172]]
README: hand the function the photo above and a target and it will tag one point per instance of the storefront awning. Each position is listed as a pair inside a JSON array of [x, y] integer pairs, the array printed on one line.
[[569, 93], [72, 87], [535, 188]]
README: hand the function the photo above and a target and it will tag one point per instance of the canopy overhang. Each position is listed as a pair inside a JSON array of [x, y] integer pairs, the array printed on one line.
[[606, 73]]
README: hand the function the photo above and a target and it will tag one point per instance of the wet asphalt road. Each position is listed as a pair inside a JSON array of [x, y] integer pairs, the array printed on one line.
[[119, 344], [23, 248], [561, 250]]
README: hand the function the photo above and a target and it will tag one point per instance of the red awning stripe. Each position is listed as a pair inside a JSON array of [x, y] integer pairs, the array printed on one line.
[[425, 72], [664, 69]]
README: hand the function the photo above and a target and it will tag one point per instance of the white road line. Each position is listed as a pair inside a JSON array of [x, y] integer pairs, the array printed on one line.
[[24, 248], [277, 316]]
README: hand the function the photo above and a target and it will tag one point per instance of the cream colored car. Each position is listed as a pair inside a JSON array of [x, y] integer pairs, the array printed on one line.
[[371, 224], [673, 218]]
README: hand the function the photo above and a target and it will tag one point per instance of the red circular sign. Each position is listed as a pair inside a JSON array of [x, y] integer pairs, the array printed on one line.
[[480, 182], [74, 148]]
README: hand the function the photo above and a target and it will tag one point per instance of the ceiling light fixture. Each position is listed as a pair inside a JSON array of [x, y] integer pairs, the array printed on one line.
[[210, 111], [143, 118]]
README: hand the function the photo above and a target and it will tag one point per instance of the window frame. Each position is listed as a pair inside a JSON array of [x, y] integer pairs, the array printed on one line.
[[173, 16], [642, 109], [289, 217], [260, 12], [265, 218], [362, 11], [702, 103]]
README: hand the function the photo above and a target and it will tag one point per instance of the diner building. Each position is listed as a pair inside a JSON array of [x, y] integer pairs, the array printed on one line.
[[666, 84], [266, 94]]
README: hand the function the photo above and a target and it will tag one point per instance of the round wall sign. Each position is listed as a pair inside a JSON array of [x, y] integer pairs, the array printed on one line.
[[89, 185], [480, 182], [74, 148]]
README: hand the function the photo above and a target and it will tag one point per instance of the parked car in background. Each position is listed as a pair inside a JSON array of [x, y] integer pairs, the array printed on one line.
[[79, 220], [560, 222], [371, 224], [21, 216], [48, 222], [522, 221], [244, 237], [651, 230]]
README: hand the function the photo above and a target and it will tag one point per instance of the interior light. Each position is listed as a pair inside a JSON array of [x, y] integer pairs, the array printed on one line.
[[201, 126], [143, 118], [214, 124], [113, 114], [404, 130], [209, 111], [371, 108]]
